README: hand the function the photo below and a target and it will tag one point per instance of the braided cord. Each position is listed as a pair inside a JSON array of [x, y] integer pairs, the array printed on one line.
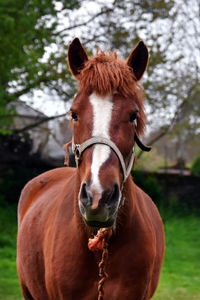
[[100, 242]]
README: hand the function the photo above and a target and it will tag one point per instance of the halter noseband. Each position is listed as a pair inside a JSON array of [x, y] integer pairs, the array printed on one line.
[[78, 149]]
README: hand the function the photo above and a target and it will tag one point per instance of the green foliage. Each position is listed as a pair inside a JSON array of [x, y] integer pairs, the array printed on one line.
[[27, 28], [150, 185], [195, 168], [22, 39], [174, 195]]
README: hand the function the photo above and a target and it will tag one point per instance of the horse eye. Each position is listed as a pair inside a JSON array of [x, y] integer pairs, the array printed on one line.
[[74, 116], [133, 116]]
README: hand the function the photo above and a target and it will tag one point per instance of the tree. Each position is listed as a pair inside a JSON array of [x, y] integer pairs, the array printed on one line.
[[24, 67], [169, 28], [26, 30]]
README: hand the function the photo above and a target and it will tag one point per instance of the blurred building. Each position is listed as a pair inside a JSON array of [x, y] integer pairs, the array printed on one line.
[[48, 137]]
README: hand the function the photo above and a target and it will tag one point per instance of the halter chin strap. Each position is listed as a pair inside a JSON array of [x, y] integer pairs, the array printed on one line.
[[78, 149]]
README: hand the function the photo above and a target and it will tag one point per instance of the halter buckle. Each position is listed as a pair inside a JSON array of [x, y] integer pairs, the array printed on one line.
[[77, 152]]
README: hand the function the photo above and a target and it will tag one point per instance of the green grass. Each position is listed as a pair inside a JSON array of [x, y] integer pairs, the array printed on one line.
[[9, 284], [180, 279]]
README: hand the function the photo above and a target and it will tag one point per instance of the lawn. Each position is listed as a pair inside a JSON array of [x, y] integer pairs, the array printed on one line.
[[180, 277], [9, 284]]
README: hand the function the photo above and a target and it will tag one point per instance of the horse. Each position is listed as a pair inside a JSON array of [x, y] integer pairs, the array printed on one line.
[[61, 209]]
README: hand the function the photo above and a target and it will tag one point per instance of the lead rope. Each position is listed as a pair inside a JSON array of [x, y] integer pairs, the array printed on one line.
[[100, 242]]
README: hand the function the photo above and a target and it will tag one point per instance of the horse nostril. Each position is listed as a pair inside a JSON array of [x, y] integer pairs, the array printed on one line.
[[85, 196], [112, 197]]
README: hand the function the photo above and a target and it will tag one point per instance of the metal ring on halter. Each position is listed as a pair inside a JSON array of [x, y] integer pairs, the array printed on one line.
[[78, 149]]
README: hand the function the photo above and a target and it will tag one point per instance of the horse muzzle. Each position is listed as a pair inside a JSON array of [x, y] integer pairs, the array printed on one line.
[[99, 209]]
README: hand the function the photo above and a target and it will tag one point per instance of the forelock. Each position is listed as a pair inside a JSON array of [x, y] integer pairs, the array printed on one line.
[[106, 73]]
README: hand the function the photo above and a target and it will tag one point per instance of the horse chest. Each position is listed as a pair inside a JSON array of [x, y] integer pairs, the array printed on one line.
[[74, 274]]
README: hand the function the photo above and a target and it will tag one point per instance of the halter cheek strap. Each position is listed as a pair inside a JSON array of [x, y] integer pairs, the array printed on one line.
[[78, 149]]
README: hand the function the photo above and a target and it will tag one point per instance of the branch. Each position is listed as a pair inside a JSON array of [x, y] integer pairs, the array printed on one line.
[[31, 86], [86, 22], [172, 124], [39, 122], [21, 116]]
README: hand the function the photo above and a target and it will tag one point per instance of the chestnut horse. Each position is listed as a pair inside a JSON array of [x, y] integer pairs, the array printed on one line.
[[59, 210]]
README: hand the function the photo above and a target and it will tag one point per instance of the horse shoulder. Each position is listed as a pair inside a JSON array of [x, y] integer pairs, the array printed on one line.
[[141, 245], [153, 222], [148, 207], [150, 217], [41, 184], [39, 207]]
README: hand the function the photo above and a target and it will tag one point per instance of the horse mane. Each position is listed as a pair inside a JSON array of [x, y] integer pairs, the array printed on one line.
[[106, 74]]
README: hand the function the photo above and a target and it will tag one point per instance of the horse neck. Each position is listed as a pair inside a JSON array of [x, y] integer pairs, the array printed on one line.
[[127, 211]]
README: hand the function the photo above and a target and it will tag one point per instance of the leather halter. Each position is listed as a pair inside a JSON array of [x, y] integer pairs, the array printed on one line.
[[78, 149]]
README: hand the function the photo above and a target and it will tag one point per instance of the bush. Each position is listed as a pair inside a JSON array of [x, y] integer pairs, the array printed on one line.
[[195, 169], [150, 185], [18, 164]]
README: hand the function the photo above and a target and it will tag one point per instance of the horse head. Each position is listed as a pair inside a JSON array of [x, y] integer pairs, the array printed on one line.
[[107, 118]]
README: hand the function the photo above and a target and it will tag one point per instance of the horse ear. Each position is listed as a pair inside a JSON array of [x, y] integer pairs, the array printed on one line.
[[76, 57], [138, 60]]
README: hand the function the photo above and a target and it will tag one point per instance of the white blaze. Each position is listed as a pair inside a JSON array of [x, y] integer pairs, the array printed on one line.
[[102, 112]]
